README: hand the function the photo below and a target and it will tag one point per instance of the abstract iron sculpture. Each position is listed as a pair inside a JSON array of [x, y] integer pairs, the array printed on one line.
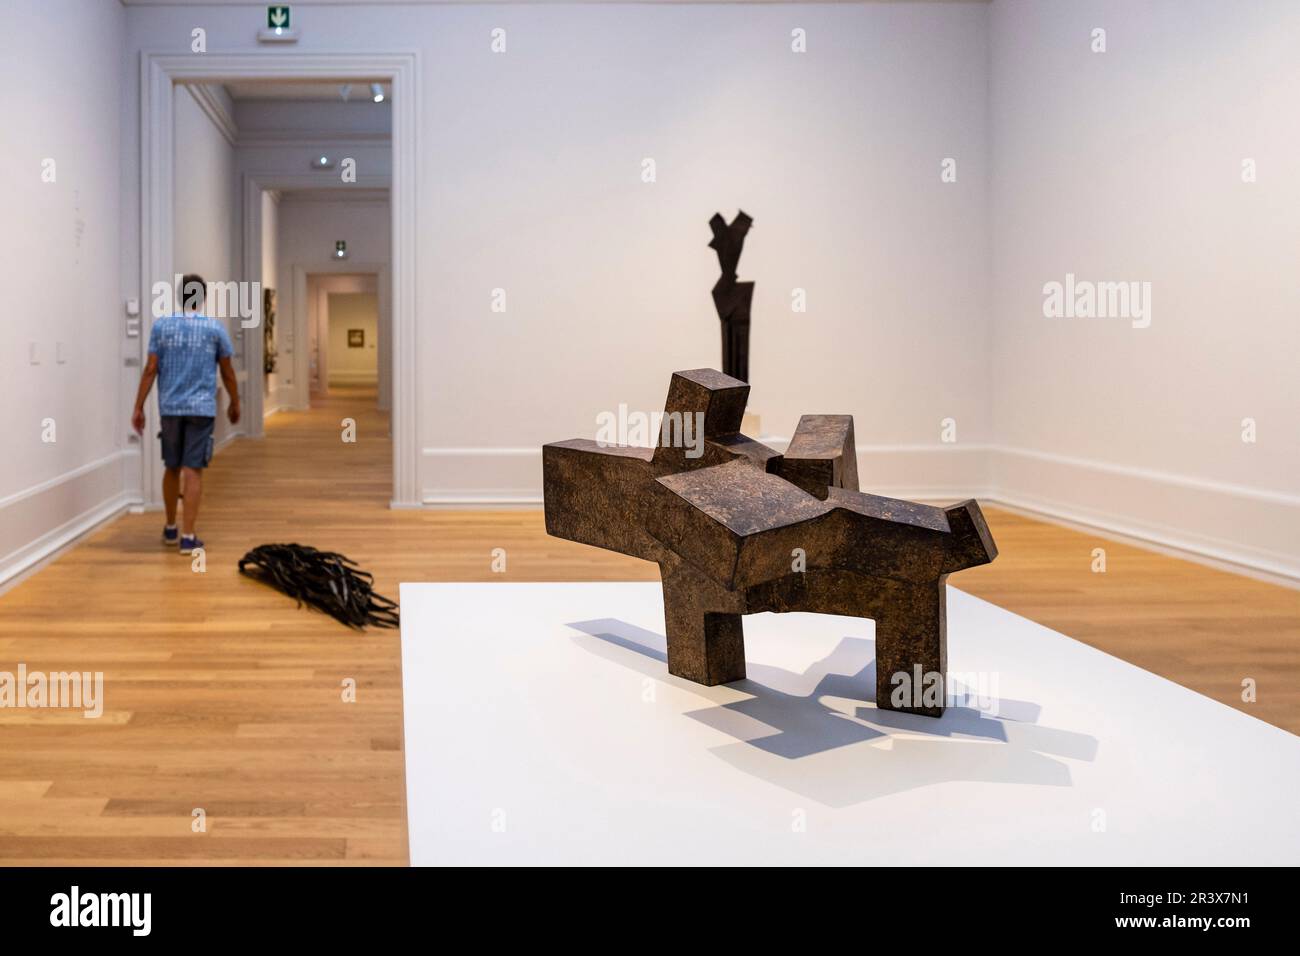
[[323, 579], [732, 298], [738, 528]]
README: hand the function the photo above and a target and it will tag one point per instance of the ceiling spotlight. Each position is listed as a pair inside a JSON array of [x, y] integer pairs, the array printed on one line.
[[340, 249], [322, 162], [345, 91], [377, 92]]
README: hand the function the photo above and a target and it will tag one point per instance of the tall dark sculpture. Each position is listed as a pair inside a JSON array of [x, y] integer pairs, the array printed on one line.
[[737, 528], [732, 298]]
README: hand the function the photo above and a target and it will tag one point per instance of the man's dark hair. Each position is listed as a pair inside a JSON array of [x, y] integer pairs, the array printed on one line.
[[194, 292]]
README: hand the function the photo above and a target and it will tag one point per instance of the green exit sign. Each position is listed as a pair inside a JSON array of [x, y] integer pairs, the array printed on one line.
[[277, 16]]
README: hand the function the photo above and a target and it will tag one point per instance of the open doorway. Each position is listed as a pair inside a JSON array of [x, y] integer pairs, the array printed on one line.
[[347, 337], [285, 165], [310, 225], [351, 329], [343, 316], [297, 147]]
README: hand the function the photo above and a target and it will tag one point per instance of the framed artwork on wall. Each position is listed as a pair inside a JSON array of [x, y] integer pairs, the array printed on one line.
[[268, 331]]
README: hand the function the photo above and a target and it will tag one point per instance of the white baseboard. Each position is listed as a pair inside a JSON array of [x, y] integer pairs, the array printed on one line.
[[353, 380], [1114, 532], [282, 398], [83, 498], [512, 477], [481, 477], [944, 473], [1225, 525], [464, 501], [39, 522]]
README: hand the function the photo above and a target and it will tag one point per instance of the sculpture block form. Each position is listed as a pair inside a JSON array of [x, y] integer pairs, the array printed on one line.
[[740, 528], [732, 298]]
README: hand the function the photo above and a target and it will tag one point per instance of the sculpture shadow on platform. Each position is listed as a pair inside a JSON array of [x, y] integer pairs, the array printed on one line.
[[787, 735]]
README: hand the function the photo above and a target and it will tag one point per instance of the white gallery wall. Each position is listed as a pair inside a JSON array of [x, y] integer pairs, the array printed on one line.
[[206, 208], [836, 152], [65, 436], [530, 181], [1132, 165], [924, 297]]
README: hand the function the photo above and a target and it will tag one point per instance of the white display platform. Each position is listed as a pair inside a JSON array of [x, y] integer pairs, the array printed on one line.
[[542, 726]]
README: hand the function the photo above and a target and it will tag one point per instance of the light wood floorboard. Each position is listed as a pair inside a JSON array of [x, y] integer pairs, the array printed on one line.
[[222, 695]]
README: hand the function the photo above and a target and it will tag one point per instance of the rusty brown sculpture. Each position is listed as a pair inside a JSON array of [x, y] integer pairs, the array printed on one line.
[[738, 528]]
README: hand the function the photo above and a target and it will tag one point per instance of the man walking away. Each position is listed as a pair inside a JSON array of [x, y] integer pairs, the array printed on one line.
[[185, 352]]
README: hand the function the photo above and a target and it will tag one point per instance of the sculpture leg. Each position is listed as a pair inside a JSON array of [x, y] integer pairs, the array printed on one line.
[[705, 645], [707, 649], [912, 650]]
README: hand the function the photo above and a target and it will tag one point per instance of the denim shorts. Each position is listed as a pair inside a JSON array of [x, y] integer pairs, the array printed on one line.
[[187, 440]]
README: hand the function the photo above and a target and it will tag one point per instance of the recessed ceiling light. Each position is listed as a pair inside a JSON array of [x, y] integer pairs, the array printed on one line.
[[377, 92], [345, 91]]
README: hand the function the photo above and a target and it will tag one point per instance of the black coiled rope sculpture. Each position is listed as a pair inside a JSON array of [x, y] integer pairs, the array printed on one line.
[[323, 579]]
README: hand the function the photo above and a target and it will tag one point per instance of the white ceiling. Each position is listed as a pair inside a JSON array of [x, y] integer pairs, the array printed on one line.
[[302, 90]]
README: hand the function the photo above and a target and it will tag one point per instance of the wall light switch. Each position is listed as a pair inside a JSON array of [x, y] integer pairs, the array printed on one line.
[[133, 307]]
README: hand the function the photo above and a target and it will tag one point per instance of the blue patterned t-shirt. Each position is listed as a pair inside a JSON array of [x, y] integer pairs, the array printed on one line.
[[188, 348]]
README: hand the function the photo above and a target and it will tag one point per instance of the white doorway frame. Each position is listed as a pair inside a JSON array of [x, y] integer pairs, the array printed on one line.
[[254, 183], [301, 271], [159, 73]]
